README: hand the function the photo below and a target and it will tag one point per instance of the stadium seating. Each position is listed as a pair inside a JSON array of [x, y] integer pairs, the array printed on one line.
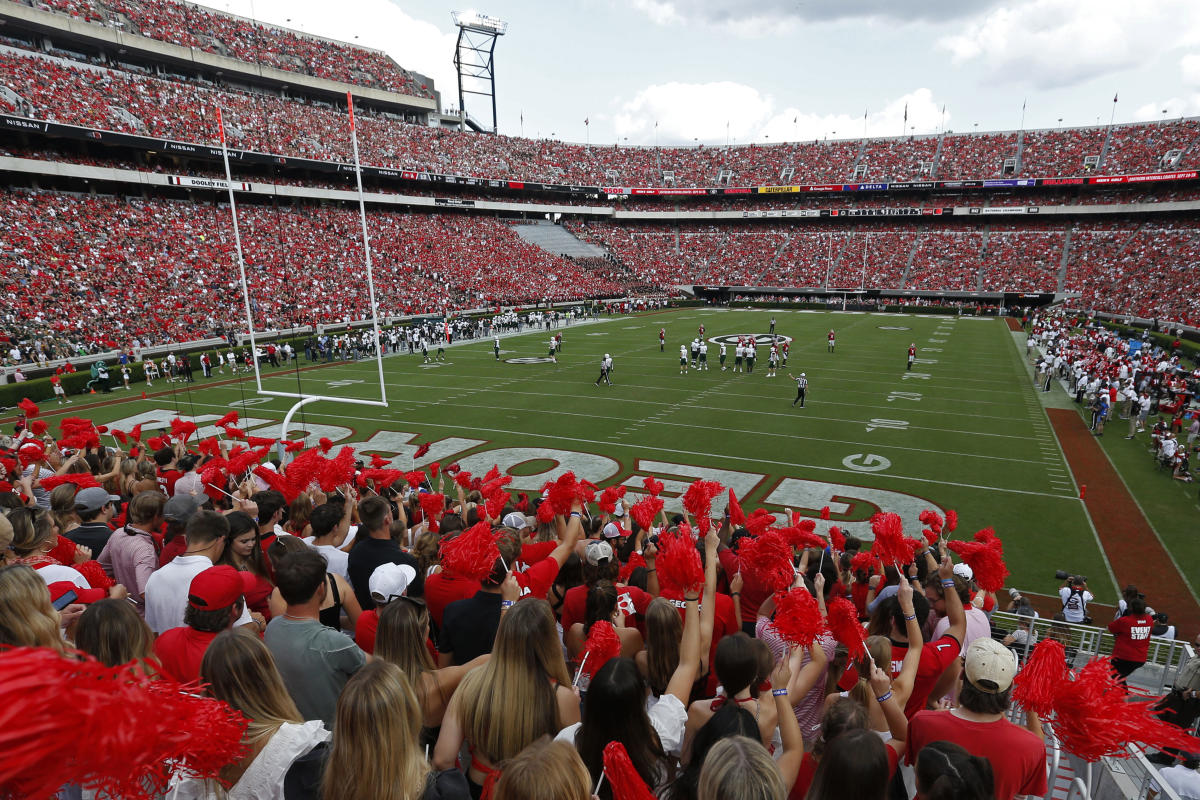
[[175, 266], [212, 32]]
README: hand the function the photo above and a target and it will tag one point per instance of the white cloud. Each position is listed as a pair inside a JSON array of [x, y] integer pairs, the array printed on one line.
[[1056, 43], [415, 45], [762, 17], [685, 112], [1189, 65]]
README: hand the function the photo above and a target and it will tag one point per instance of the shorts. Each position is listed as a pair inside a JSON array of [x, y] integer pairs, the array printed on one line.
[[683, 361]]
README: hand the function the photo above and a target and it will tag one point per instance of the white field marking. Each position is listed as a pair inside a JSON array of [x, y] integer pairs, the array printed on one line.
[[789, 464], [870, 462], [447, 401]]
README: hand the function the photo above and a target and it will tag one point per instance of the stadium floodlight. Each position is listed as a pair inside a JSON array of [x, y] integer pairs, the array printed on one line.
[[474, 58]]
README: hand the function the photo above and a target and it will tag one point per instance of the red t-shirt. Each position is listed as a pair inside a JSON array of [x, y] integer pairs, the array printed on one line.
[[538, 579], [175, 547], [858, 595], [166, 480], [753, 595], [630, 599], [1018, 757], [1132, 642], [180, 651], [365, 629], [935, 657], [442, 589]]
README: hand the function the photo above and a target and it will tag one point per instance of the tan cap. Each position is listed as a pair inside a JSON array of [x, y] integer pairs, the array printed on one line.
[[990, 666]]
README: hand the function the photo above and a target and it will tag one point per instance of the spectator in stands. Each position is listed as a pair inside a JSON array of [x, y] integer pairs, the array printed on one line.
[[130, 557], [315, 661], [113, 633], [216, 599], [1017, 756], [374, 545], [1131, 638], [945, 771]]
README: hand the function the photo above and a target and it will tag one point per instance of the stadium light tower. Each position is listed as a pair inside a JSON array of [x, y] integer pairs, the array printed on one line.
[[474, 57]]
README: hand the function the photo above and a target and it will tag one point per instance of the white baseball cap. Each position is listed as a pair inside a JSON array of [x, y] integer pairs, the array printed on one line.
[[964, 571], [801, 374], [989, 666], [390, 581], [514, 520]]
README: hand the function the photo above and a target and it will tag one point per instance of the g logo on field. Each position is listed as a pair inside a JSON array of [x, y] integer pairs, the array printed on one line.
[[529, 360], [760, 339]]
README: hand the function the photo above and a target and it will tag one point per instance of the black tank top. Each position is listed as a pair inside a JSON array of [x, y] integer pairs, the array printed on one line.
[[332, 617]]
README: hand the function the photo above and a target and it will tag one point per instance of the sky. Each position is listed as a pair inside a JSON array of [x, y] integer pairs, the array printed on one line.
[[682, 72]]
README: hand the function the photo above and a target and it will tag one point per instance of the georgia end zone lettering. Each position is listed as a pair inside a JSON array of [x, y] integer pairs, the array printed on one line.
[[850, 507]]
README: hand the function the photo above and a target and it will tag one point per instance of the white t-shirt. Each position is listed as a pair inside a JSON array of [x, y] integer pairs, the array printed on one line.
[[336, 561], [167, 593], [1073, 609], [667, 715], [1185, 782]]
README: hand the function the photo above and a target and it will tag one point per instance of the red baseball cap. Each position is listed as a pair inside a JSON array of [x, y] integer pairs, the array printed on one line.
[[87, 596], [219, 587]]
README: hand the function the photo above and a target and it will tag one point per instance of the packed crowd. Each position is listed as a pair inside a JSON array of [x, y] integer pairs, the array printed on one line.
[[190, 25], [175, 264], [1120, 379], [86, 94], [351, 627]]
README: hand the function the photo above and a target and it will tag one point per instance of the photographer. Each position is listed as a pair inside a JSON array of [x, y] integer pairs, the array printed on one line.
[[1075, 598]]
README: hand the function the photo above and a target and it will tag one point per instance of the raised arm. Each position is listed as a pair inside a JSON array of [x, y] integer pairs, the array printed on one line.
[[902, 686], [789, 728], [708, 606], [893, 710], [681, 681]]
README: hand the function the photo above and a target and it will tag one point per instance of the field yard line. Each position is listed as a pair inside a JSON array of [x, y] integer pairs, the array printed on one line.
[[261, 411], [732, 410], [681, 406]]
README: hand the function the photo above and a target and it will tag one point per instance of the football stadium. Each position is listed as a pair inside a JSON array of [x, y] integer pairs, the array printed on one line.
[[800, 466]]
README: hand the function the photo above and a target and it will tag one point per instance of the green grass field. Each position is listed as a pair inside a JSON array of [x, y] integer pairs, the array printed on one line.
[[963, 430]]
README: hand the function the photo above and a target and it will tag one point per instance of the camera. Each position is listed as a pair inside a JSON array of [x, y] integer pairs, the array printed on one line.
[[1064, 576], [1014, 594]]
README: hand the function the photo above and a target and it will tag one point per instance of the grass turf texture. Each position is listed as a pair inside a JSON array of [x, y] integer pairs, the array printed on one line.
[[976, 440]]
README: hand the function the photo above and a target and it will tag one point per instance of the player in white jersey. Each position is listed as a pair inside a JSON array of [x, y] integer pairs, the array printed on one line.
[[704, 355], [683, 359], [723, 367]]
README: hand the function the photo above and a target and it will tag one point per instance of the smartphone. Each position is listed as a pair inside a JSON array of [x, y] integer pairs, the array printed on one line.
[[65, 600]]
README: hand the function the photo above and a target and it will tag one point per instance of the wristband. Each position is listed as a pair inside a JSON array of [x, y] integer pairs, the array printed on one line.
[[576, 515], [506, 604], [779, 692], [735, 594], [947, 582], [885, 696], [909, 617], [692, 599], [651, 569]]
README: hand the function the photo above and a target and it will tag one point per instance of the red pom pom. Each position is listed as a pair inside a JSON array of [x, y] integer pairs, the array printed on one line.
[[933, 520], [31, 452], [141, 730], [824, 512], [38, 427], [609, 497], [95, 575], [737, 518], [453, 469], [626, 783], [765, 562], [463, 479], [837, 539], [645, 510], [279, 483], [951, 520], [492, 474], [562, 494], [245, 460], [433, 506], [1094, 717], [433, 468], [305, 468], [28, 408], [759, 520], [325, 444], [472, 554], [802, 538], [890, 544], [260, 441], [81, 480], [652, 486], [338, 471], [121, 436], [155, 443], [678, 564], [209, 446], [545, 513], [182, 428], [415, 478], [698, 500], [797, 617], [602, 645], [985, 557], [422, 450], [135, 433], [1042, 677], [379, 462], [635, 560], [842, 618], [292, 445], [229, 419], [234, 433], [382, 478]]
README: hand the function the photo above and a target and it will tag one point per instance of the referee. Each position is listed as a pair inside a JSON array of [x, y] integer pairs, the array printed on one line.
[[801, 388]]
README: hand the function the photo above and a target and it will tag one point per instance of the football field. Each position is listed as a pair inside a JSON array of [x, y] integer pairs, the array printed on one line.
[[962, 430]]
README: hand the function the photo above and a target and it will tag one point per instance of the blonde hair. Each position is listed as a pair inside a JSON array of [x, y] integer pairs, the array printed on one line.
[[376, 752], [238, 668], [510, 702], [400, 640], [27, 619], [112, 632], [546, 770], [62, 506], [32, 528], [880, 648], [740, 768]]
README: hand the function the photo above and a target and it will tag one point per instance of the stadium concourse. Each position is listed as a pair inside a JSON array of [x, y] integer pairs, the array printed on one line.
[[369, 628]]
